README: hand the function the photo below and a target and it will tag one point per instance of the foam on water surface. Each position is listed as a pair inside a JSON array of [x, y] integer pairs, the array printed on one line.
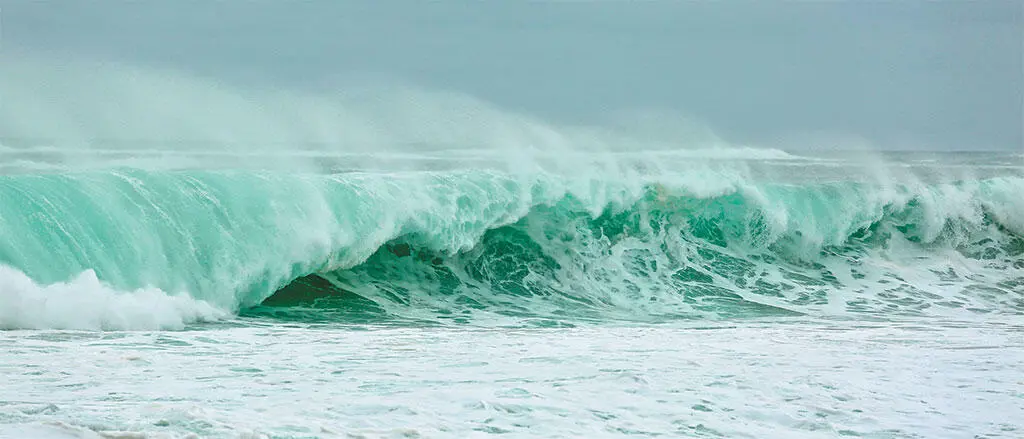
[[800, 379]]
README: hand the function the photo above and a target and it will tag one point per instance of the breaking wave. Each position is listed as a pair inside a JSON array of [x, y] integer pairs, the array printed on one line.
[[166, 248]]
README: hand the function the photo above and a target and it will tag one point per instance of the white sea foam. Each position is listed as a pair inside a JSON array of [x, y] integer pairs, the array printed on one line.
[[86, 303]]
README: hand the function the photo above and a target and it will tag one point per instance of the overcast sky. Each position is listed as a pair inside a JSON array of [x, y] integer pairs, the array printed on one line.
[[936, 75]]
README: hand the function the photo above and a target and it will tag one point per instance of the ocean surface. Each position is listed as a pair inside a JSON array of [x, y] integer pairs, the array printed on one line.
[[196, 290]]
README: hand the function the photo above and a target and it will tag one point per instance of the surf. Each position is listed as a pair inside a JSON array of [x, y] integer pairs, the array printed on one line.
[[480, 246]]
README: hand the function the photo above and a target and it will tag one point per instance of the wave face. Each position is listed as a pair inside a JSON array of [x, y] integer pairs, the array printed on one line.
[[88, 249]]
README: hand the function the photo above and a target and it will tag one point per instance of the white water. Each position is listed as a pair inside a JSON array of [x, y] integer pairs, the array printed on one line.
[[86, 303], [792, 379]]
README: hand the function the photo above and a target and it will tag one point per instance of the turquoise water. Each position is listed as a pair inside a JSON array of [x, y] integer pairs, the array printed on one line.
[[696, 293]]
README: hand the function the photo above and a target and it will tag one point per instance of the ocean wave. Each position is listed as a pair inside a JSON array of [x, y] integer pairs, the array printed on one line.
[[475, 246]]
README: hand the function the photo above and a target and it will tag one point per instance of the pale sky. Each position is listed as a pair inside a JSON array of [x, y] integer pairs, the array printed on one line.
[[927, 75]]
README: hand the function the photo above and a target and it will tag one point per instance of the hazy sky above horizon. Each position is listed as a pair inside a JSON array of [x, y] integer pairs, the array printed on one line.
[[898, 74]]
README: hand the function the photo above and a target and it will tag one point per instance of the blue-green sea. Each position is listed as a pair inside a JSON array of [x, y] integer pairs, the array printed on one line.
[[196, 290]]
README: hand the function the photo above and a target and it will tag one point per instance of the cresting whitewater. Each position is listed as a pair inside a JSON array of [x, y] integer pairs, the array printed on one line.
[[553, 281]]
